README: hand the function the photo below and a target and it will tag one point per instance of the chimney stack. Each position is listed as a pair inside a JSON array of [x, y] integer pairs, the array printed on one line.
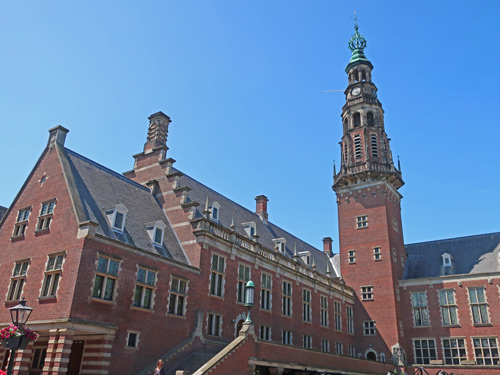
[[57, 135], [261, 209], [327, 246], [157, 132]]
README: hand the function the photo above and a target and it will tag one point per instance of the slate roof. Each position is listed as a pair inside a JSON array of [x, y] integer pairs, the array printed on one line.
[[266, 232], [100, 189], [3, 210], [471, 254]]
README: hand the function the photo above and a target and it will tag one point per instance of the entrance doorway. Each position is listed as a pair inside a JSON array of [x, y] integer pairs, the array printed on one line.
[[75, 357], [371, 356], [239, 326]]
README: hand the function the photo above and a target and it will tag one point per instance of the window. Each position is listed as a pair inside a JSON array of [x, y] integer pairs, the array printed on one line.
[[351, 256], [156, 231], [395, 225], [144, 288], [217, 275], [306, 305], [448, 307], [425, 350], [250, 228], [286, 337], [377, 253], [394, 255], [357, 119], [373, 141], [117, 217], [446, 260], [325, 345], [338, 315], [358, 153], [265, 292], [420, 310], [21, 222], [361, 221], [132, 339], [350, 320], [345, 153], [265, 333], [369, 328], [17, 280], [382, 357], [46, 215], [280, 245], [287, 298], [243, 277], [369, 120], [367, 293], [339, 348], [352, 351], [214, 324], [307, 339], [105, 278], [38, 359], [214, 211], [52, 275], [478, 305], [178, 295], [402, 257], [158, 238], [485, 350], [323, 311], [454, 351]]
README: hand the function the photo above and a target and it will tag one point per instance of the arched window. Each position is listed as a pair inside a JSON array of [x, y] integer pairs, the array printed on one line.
[[357, 119], [363, 75], [371, 356], [345, 125], [356, 76], [369, 119]]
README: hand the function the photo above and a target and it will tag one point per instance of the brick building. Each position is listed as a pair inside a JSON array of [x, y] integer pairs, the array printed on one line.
[[123, 269]]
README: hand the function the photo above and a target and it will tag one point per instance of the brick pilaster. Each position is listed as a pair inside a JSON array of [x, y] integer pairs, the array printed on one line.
[[58, 351]]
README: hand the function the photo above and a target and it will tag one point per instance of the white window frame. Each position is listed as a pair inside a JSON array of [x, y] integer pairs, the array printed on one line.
[[214, 215], [453, 354], [480, 361], [306, 305], [136, 343], [45, 216], [369, 328], [325, 345], [118, 209], [351, 256], [337, 307], [265, 332], [217, 276], [152, 229], [287, 337], [52, 276], [145, 287], [479, 306], [420, 309], [21, 222], [243, 278], [307, 341], [214, 324], [447, 258], [377, 253], [367, 293], [287, 291], [18, 280], [106, 277], [178, 296], [446, 307], [280, 243], [361, 221], [266, 291], [424, 359], [250, 228], [323, 302], [339, 348], [350, 319]]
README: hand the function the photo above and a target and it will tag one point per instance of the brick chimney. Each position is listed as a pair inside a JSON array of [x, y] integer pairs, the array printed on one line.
[[261, 208], [157, 132], [57, 135], [327, 246]]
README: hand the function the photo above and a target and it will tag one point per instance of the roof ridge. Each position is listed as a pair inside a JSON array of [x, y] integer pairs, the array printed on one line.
[[453, 238], [106, 169]]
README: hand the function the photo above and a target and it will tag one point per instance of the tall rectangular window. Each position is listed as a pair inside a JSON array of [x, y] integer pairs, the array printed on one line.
[[323, 311], [214, 324], [448, 307], [307, 341], [265, 333], [377, 253], [350, 320], [373, 141], [52, 275], [325, 345], [338, 315], [286, 337], [454, 351], [306, 305], [144, 288], [358, 152], [217, 275], [38, 359], [424, 350], [105, 278], [265, 292], [477, 298], [287, 298], [369, 328], [17, 280], [243, 277], [21, 222], [485, 350], [339, 348], [351, 256], [420, 310], [178, 295], [367, 293], [361, 221], [352, 351], [46, 213]]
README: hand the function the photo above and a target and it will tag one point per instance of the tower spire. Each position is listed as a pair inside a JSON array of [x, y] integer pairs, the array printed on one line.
[[357, 45]]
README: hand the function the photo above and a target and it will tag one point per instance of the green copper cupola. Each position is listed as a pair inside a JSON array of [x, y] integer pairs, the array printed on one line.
[[357, 44]]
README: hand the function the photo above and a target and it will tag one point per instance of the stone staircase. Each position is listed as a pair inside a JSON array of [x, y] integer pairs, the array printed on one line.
[[196, 358]]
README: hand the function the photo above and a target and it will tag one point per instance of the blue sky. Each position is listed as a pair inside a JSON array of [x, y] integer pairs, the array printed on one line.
[[243, 81]]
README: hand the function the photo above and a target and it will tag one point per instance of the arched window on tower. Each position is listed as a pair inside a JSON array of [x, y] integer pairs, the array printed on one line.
[[369, 119], [346, 122], [358, 153], [357, 119], [363, 75], [356, 76]]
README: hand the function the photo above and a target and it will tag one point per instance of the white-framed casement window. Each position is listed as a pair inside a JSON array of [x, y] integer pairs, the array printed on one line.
[[325, 345], [449, 310], [478, 305], [286, 337], [339, 348], [367, 293], [265, 291], [351, 256], [243, 277], [352, 351], [350, 319], [424, 351], [52, 275], [369, 328], [156, 232], [214, 211], [337, 307], [420, 309], [323, 305], [17, 280], [45, 217], [446, 259], [287, 299], [280, 245], [250, 228], [106, 278], [178, 296], [21, 222], [145, 286], [454, 350], [265, 333], [117, 217], [361, 221], [214, 324], [307, 341], [306, 305], [377, 253], [132, 340], [485, 350], [217, 275]]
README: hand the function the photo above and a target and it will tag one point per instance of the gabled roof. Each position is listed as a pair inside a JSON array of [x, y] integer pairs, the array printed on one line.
[[267, 232], [3, 210], [96, 190], [469, 255]]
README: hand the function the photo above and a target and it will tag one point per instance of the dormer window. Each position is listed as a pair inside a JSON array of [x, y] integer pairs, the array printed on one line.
[[214, 211], [156, 232], [117, 217], [250, 228], [306, 257], [446, 260], [280, 244]]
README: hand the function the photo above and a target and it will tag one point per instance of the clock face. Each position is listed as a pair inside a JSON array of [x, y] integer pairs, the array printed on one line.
[[356, 91]]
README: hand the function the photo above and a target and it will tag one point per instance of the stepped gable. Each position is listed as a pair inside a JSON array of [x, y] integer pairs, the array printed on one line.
[[266, 231], [3, 210], [469, 255], [100, 189]]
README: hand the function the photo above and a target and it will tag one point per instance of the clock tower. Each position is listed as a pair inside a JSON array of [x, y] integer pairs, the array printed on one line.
[[371, 246]]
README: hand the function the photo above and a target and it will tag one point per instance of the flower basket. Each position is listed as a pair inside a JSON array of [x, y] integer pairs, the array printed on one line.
[[16, 342], [14, 337]]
